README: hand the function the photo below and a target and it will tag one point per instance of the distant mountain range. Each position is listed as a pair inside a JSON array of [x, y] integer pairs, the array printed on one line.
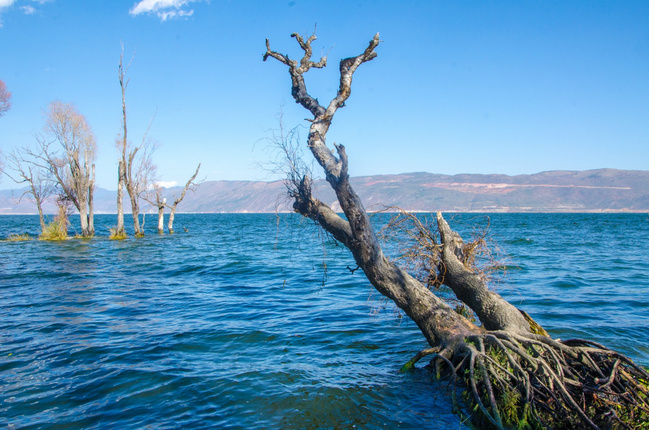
[[603, 190]]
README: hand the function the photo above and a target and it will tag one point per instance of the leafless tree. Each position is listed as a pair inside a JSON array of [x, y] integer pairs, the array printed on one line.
[[136, 171], [68, 149], [514, 373], [172, 208], [154, 198], [5, 98], [23, 168]]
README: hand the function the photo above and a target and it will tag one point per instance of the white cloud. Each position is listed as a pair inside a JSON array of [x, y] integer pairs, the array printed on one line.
[[167, 184], [164, 9], [6, 3], [27, 9], [3, 5]]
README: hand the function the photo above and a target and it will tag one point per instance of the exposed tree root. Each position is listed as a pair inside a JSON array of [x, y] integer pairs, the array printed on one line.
[[513, 374], [532, 381]]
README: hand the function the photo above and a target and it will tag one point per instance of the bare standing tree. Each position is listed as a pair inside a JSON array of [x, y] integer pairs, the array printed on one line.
[[154, 198], [514, 374], [136, 171], [68, 149], [188, 186], [23, 168]]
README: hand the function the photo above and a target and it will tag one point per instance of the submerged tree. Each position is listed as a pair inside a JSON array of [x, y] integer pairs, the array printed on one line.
[[68, 149], [172, 208], [513, 372], [136, 171], [23, 167], [155, 198]]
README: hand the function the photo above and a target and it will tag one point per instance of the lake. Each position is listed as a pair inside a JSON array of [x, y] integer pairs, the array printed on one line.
[[235, 323]]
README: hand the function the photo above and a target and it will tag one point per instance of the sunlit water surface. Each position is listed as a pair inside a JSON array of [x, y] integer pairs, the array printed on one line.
[[236, 324]]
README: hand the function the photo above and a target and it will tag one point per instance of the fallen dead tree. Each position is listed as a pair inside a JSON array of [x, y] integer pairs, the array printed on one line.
[[512, 374]]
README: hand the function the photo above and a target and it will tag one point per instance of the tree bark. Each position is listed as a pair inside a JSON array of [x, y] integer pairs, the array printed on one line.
[[135, 167], [41, 217], [172, 207], [439, 323], [38, 200], [135, 212], [161, 218], [172, 215], [494, 312], [91, 208], [120, 199], [506, 364]]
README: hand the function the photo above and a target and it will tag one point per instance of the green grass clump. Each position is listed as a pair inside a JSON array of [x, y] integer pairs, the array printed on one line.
[[115, 235], [58, 228], [18, 237]]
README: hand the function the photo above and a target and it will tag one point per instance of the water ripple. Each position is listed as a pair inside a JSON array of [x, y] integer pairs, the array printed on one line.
[[230, 325]]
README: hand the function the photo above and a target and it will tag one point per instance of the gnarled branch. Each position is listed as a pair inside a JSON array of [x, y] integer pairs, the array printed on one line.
[[494, 312]]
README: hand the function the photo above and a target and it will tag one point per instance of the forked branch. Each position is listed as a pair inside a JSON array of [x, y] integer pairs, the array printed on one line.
[[334, 167], [514, 377], [298, 89]]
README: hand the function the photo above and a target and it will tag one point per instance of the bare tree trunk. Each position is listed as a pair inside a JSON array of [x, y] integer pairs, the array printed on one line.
[[136, 168], [41, 217], [120, 199], [505, 363], [494, 312], [91, 208], [161, 218], [137, 231], [38, 199], [439, 323], [172, 215], [122, 145], [172, 208], [83, 215], [24, 164]]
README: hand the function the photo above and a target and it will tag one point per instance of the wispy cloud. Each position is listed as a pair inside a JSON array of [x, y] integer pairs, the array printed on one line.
[[164, 9], [26, 9]]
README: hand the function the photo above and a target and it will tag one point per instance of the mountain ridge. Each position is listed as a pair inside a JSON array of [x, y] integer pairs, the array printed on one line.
[[600, 190]]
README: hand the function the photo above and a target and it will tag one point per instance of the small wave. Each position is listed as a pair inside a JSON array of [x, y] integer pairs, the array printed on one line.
[[520, 241]]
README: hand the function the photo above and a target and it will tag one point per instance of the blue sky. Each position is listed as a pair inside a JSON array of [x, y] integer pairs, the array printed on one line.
[[510, 87]]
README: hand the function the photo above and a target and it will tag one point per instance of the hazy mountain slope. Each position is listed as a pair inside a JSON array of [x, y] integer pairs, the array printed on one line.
[[555, 191]]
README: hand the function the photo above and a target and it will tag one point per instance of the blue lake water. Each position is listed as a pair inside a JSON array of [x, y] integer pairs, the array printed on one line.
[[235, 324]]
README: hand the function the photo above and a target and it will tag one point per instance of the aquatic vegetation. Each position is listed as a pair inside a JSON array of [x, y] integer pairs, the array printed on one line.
[[115, 234], [18, 237], [57, 229]]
